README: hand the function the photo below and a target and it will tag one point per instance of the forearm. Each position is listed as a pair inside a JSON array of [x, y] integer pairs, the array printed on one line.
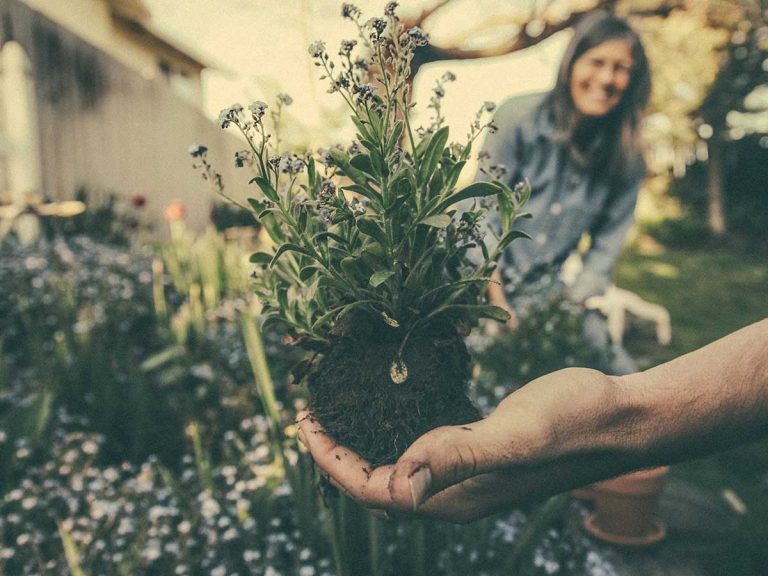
[[703, 402], [585, 426]]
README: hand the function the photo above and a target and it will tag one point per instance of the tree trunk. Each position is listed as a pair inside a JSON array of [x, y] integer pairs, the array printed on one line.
[[715, 204]]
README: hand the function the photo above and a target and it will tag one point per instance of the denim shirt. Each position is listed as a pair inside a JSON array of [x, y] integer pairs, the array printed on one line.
[[565, 202]]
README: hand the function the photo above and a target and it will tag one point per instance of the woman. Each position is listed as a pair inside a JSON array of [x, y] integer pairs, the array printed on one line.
[[579, 147]]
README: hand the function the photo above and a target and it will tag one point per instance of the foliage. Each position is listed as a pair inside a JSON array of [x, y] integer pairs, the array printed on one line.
[[709, 292], [549, 337], [66, 511], [69, 511], [105, 332], [108, 218], [398, 249]]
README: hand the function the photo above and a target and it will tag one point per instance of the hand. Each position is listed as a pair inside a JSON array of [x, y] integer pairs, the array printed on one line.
[[497, 297], [564, 430], [462, 473]]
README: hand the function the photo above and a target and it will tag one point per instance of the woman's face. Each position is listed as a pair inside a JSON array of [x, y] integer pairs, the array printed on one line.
[[600, 77]]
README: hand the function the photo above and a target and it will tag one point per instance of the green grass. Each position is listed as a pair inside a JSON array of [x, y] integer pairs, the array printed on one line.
[[709, 293]]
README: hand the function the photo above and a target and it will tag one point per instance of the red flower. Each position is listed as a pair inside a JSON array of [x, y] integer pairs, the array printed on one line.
[[175, 211]]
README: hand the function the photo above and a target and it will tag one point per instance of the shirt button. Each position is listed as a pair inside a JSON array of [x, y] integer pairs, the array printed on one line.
[[574, 179], [556, 208], [541, 239]]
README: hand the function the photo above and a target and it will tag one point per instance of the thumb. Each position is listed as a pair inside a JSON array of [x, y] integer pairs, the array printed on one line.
[[441, 458]]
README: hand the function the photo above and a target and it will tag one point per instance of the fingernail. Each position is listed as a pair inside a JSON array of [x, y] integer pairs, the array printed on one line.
[[300, 434], [419, 483]]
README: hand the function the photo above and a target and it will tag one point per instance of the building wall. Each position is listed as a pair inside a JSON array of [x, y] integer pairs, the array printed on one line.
[[92, 21], [105, 127]]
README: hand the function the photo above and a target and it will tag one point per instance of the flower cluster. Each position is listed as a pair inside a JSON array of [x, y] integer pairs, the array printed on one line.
[[435, 103], [141, 520], [360, 230], [80, 312]]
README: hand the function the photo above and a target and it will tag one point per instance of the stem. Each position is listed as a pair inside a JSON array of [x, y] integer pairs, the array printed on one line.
[[420, 552], [375, 537], [540, 521]]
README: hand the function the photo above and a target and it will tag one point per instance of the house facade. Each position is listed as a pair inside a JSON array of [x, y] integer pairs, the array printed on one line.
[[93, 96]]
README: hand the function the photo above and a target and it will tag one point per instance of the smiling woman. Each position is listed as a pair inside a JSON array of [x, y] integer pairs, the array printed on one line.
[[600, 77], [579, 147]]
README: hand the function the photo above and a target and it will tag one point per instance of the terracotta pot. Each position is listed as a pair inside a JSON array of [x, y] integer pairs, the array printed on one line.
[[625, 508]]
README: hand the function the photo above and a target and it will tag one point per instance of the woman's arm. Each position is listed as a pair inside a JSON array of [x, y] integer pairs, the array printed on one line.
[[568, 429], [608, 239]]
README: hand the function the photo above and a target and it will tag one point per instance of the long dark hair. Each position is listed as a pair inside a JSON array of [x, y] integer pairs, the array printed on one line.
[[606, 146]]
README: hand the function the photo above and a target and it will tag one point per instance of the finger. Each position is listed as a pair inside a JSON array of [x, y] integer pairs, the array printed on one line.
[[347, 470], [443, 457], [470, 500]]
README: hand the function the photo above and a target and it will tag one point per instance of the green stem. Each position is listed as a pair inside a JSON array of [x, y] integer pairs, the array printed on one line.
[[420, 550], [264, 385], [375, 537], [532, 531], [333, 526]]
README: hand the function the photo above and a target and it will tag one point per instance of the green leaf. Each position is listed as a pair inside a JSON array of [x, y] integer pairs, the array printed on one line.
[[302, 219], [458, 286], [350, 267], [269, 319], [288, 247], [476, 190], [364, 132], [257, 205], [366, 191], [363, 162], [390, 321], [260, 258], [512, 235], [436, 183], [433, 152], [379, 278], [307, 272], [394, 137], [437, 221], [326, 234], [311, 174], [267, 188], [506, 211], [342, 161], [370, 228], [161, 358], [338, 313], [473, 311], [455, 172]]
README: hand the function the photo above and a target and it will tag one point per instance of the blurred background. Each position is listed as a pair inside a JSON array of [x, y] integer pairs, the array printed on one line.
[[145, 422]]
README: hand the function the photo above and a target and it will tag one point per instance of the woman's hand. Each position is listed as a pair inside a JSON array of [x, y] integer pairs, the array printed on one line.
[[497, 297]]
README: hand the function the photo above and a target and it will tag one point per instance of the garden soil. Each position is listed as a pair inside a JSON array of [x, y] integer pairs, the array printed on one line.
[[358, 404]]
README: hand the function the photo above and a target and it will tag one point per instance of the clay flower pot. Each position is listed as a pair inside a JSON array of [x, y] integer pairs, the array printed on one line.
[[625, 508]]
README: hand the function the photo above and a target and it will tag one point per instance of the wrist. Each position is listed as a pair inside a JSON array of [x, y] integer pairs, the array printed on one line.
[[607, 416], [625, 431]]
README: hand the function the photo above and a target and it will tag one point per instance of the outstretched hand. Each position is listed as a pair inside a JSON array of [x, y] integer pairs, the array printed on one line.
[[462, 473], [564, 430]]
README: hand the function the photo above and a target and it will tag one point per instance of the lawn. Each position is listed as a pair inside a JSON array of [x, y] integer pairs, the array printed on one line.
[[709, 292]]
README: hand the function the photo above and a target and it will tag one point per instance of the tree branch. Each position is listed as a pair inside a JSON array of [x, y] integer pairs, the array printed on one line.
[[523, 39]]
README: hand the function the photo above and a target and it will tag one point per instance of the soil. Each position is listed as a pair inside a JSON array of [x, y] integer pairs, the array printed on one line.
[[353, 396]]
